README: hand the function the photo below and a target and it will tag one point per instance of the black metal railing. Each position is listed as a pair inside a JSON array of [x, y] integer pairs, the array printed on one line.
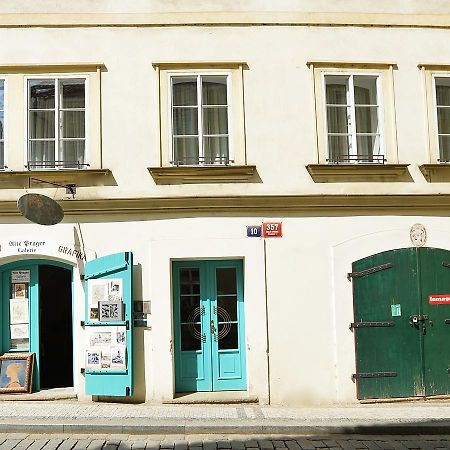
[[357, 159], [202, 161], [33, 165]]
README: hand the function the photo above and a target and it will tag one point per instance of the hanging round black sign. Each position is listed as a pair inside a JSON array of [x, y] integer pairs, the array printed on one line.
[[40, 209]]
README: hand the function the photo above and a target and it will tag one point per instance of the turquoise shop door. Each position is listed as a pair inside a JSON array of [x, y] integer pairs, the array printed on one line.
[[106, 379], [209, 335]]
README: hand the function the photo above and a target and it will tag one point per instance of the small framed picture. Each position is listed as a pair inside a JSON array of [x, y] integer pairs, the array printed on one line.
[[118, 357], [16, 372], [19, 290], [93, 359], [110, 311]]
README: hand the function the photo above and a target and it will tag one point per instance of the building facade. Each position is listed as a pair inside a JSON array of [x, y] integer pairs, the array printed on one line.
[[256, 198]]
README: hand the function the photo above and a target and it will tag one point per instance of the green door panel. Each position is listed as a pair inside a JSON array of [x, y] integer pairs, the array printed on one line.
[[390, 350], [435, 280], [416, 355]]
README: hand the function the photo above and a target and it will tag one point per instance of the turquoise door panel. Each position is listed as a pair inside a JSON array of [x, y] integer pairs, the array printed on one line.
[[107, 381], [209, 335]]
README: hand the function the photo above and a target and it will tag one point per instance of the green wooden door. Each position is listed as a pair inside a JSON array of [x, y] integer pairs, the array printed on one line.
[[435, 282], [401, 340], [208, 316]]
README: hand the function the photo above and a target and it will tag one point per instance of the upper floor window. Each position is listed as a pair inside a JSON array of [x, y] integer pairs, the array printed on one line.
[[355, 112], [56, 123], [442, 104], [353, 125], [199, 119]]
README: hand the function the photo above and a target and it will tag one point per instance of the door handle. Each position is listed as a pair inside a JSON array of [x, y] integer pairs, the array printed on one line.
[[213, 328]]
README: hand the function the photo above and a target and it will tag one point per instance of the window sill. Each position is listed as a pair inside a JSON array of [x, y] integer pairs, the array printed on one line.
[[344, 173], [80, 177], [436, 173], [204, 174]]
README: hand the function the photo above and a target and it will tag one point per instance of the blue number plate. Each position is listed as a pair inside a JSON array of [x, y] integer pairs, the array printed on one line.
[[254, 231]]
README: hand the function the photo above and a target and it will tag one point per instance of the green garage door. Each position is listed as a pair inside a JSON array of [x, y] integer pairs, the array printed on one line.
[[402, 323]]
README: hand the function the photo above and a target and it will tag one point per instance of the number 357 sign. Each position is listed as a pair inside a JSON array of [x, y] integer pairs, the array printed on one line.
[[272, 229]]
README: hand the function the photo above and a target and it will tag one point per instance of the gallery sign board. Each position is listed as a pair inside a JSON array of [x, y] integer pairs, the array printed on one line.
[[30, 246], [441, 299]]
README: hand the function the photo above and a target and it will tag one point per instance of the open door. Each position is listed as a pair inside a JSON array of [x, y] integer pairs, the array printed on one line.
[[109, 325]]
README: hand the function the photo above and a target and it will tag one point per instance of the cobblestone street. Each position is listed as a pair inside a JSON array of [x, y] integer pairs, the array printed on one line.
[[22, 441]]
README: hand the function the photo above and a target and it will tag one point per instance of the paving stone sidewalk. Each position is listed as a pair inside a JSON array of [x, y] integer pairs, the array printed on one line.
[[73, 416]]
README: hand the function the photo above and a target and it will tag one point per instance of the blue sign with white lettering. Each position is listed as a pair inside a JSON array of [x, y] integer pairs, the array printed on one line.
[[254, 231]]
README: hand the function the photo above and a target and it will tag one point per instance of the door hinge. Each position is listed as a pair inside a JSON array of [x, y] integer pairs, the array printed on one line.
[[447, 321], [446, 264], [127, 391], [369, 271], [355, 376], [370, 324]]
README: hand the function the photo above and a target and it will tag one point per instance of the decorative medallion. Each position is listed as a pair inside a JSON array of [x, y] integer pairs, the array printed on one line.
[[418, 235]]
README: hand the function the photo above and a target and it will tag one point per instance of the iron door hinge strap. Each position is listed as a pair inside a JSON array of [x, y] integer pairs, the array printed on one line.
[[369, 271], [355, 376], [447, 321], [370, 325], [448, 371], [446, 264]]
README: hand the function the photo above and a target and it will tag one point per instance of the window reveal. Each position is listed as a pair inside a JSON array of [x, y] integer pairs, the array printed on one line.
[[56, 123]]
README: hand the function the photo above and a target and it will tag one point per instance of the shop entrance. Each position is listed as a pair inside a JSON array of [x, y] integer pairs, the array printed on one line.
[[209, 326], [36, 316], [402, 323]]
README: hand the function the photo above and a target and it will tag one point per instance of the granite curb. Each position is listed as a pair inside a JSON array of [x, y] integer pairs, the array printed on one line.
[[195, 427]]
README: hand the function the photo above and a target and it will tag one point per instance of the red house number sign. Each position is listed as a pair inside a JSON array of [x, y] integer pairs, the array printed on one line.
[[272, 229]]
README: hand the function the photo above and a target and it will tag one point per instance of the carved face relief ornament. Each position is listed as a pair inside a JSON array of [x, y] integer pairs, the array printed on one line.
[[418, 235]]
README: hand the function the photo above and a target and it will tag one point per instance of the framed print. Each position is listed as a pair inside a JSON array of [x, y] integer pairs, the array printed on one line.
[[100, 338], [121, 336], [16, 372], [18, 311], [115, 290], [118, 357], [110, 311], [19, 331], [19, 290], [93, 359], [98, 291]]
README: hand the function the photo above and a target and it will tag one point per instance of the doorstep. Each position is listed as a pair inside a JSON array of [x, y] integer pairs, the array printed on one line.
[[222, 397], [43, 395]]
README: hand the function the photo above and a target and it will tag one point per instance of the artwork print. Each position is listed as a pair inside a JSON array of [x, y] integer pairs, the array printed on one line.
[[19, 290], [118, 356], [121, 336], [115, 290], [100, 338], [18, 311], [110, 311], [19, 331], [93, 359], [98, 291], [16, 372]]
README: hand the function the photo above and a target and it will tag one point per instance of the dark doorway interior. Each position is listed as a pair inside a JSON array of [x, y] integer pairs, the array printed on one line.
[[55, 327]]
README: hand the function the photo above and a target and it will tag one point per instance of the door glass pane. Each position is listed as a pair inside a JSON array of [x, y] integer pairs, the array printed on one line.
[[227, 308], [228, 336], [368, 146], [443, 115], [444, 148], [42, 94], [226, 280], [191, 337], [190, 308], [42, 154], [184, 91]]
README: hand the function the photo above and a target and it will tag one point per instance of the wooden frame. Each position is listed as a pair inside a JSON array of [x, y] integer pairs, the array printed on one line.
[[18, 379]]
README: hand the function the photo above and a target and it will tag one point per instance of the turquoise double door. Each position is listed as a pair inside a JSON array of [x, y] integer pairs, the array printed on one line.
[[209, 332]]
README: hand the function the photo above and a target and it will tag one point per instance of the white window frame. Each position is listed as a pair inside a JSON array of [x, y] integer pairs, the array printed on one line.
[[353, 149], [57, 78], [198, 74], [435, 115], [5, 122]]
